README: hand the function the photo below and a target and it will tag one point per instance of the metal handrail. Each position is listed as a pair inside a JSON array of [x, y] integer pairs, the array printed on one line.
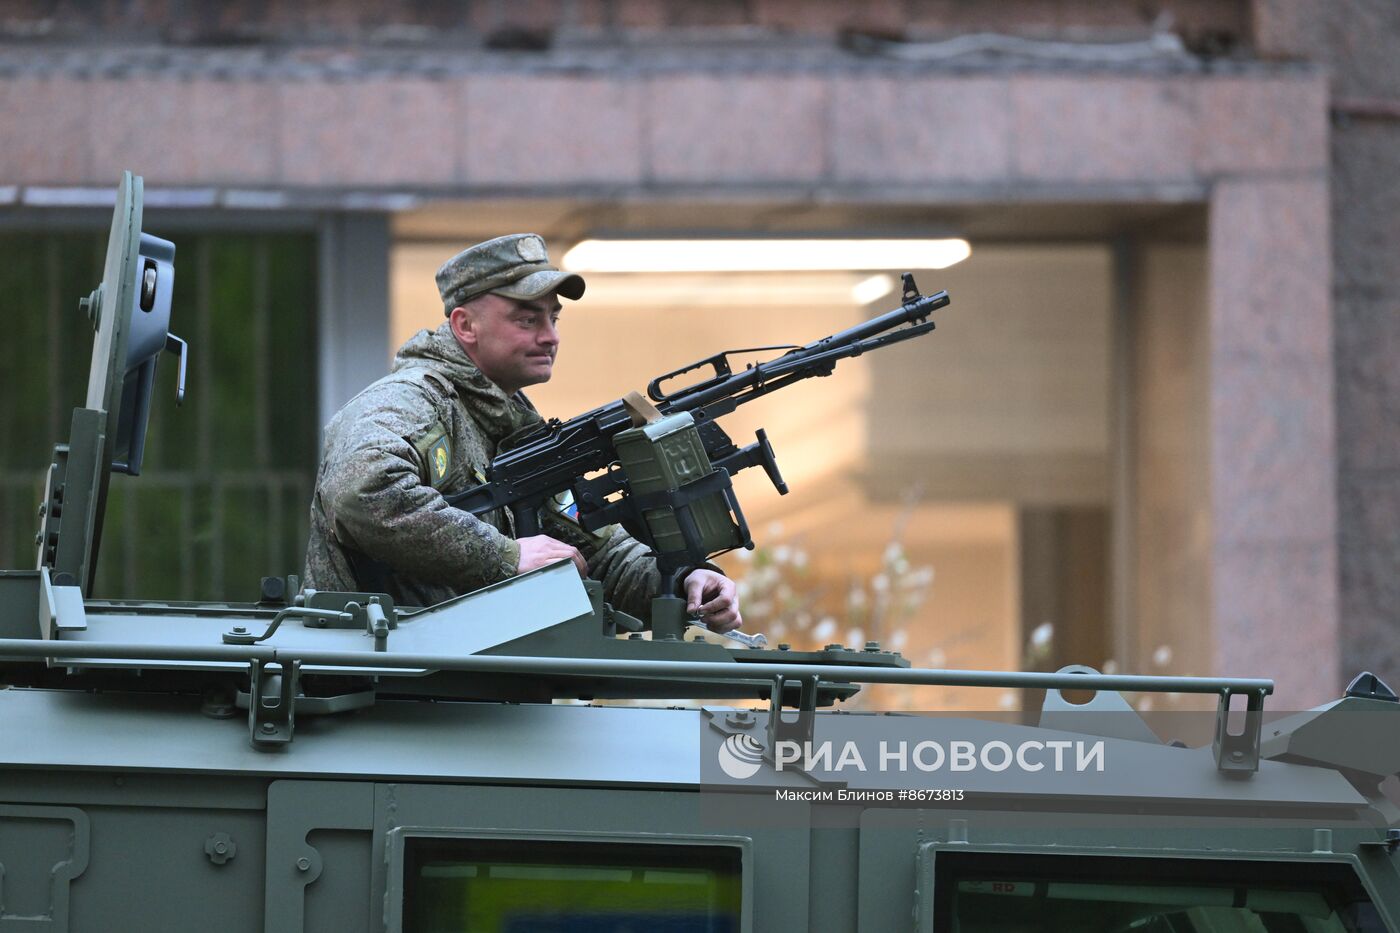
[[647, 668]]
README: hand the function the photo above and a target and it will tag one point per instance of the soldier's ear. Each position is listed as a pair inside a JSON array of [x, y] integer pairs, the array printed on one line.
[[461, 320]]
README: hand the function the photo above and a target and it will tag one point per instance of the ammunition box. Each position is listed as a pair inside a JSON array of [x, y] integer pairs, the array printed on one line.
[[662, 457]]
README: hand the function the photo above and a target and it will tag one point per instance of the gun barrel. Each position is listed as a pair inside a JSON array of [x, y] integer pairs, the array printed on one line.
[[908, 313], [815, 358]]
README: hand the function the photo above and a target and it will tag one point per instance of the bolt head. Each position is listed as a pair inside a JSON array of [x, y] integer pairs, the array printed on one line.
[[269, 727], [303, 864]]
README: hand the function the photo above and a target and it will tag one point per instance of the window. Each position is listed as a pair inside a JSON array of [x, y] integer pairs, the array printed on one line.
[[995, 893], [473, 885]]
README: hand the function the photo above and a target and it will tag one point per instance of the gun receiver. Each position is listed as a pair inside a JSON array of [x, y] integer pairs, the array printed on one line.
[[683, 516]]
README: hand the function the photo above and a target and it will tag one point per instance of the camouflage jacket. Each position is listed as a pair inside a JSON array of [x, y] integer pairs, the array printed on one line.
[[379, 521]]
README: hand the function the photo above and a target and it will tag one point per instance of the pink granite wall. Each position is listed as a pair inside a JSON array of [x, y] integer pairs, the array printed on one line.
[[1273, 492], [1095, 137]]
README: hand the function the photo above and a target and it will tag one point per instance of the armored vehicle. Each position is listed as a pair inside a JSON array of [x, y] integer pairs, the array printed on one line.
[[334, 762]]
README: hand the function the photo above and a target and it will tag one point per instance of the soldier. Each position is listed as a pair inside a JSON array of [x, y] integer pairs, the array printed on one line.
[[379, 522]]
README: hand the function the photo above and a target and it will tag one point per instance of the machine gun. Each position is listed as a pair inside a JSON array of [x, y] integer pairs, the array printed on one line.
[[662, 468]]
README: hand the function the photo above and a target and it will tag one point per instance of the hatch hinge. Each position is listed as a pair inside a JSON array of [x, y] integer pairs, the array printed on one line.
[[1390, 844]]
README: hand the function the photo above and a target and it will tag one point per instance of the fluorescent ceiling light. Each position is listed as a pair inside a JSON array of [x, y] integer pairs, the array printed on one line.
[[761, 255], [735, 290]]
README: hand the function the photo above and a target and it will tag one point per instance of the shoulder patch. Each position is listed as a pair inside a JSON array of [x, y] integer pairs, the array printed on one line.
[[439, 458]]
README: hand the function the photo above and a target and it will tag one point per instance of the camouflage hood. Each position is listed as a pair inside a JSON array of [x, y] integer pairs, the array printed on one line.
[[497, 413]]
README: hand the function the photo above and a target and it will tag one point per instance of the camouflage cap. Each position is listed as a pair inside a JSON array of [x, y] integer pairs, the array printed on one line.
[[516, 266]]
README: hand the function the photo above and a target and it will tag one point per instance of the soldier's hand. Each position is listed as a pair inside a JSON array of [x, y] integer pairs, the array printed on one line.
[[715, 598], [538, 550]]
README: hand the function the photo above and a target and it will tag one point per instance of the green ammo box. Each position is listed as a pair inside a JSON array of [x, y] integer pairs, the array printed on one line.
[[662, 457]]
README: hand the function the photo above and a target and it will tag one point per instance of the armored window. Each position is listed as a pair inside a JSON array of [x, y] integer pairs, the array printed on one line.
[[996, 893], [465, 885]]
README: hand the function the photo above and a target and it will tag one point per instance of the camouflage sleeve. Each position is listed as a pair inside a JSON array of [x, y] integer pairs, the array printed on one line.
[[619, 561], [373, 492], [627, 571]]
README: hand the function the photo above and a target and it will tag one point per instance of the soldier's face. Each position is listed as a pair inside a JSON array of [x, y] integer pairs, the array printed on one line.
[[512, 342]]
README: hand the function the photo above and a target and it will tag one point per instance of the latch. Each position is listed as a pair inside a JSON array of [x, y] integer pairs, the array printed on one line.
[[239, 634]]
